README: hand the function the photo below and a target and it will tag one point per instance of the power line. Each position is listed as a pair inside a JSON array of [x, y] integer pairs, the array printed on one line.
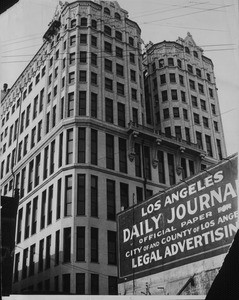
[[193, 13]]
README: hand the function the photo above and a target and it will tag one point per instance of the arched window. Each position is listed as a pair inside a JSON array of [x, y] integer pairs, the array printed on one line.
[[83, 22], [73, 23], [117, 16], [195, 54], [161, 63], [131, 41], [94, 24], [187, 50], [106, 11]]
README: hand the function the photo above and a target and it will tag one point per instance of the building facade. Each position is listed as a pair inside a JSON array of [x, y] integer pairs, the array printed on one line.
[[79, 143]]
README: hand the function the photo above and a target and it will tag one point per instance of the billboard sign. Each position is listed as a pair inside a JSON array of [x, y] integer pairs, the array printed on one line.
[[193, 220]]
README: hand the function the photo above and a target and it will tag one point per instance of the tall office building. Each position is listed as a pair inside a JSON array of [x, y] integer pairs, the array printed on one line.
[[79, 142]]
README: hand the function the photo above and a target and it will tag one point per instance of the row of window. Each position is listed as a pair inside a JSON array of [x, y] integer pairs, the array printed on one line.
[[49, 285], [45, 252], [80, 279]]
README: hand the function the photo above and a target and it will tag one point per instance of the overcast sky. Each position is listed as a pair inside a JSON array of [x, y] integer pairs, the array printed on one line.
[[213, 24]]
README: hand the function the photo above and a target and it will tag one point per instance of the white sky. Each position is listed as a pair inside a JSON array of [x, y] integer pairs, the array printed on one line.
[[213, 24]]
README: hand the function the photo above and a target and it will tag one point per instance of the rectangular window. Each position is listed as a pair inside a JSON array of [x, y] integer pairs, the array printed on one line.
[[93, 41], [108, 47], [47, 122], [81, 144], [25, 147], [82, 103], [48, 252], [57, 248], [33, 137], [58, 201], [83, 39], [94, 196], [94, 289], [205, 122], [19, 226], [108, 84], [172, 78], [124, 195], [19, 153], [80, 243], [171, 169], [39, 131], [118, 35], [183, 96], [94, 59], [119, 70], [71, 78], [80, 284], [201, 88], [82, 76], [34, 216], [81, 189], [68, 196], [147, 162], [203, 104], [196, 118], [194, 101], [43, 209], [134, 94], [60, 150], [93, 105], [45, 169], [67, 244], [122, 156], [208, 145], [133, 75], [121, 114], [23, 181], [108, 65], [109, 115], [174, 95], [184, 168], [69, 146], [112, 285], [111, 205], [199, 139], [24, 263], [27, 220], [164, 96], [112, 258], [49, 208], [119, 52], [192, 84], [94, 147], [40, 262], [120, 88], [132, 58], [93, 78], [83, 56], [191, 167], [110, 152], [16, 271], [161, 167], [70, 108], [187, 134], [138, 170], [176, 112], [219, 149], [178, 133], [72, 58], [94, 244], [52, 157], [72, 40]]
